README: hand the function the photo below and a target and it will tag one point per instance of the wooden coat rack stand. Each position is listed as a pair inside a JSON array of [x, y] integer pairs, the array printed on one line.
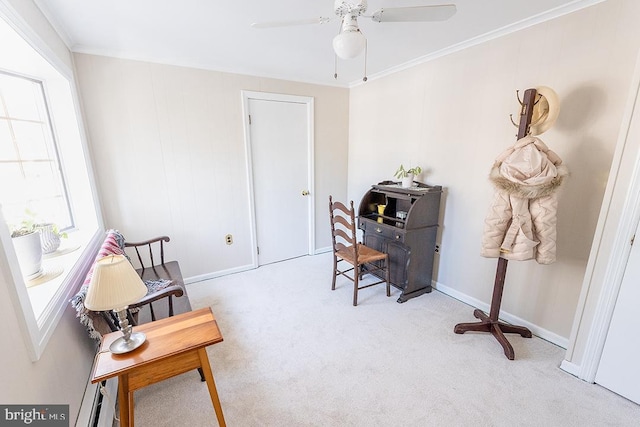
[[491, 323]]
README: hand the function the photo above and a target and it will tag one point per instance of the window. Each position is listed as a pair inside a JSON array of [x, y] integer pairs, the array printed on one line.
[[29, 156], [44, 169]]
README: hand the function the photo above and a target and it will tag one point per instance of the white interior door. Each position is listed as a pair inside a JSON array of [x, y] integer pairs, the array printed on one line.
[[279, 142], [619, 368]]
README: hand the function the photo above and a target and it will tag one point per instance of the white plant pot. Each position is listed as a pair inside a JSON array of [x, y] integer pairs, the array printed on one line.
[[407, 182], [29, 252]]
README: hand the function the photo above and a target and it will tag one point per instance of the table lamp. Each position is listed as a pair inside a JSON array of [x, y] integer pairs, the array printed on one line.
[[114, 285]]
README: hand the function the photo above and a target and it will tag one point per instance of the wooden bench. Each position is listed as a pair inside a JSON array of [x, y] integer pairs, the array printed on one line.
[[169, 300], [167, 294]]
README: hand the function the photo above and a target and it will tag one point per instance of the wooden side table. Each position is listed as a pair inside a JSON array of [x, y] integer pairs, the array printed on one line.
[[174, 345]]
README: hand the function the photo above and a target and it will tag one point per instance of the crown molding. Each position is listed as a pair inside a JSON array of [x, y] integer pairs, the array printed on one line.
[[197, 65], [55, 23], [491, 35], [24, 29]]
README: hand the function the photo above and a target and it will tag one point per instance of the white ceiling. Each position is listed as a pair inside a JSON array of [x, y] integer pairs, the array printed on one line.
[[216, 35]]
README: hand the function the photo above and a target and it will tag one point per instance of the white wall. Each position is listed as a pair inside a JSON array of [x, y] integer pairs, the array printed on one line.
[[60, 375], [451, 116], [169, 155]]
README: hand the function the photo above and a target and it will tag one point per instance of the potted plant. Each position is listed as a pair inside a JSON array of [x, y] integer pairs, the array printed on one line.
[[26, 243], [406, 175]]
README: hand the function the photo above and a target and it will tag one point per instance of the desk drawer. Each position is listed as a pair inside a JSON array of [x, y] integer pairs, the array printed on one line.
[[383, 230]]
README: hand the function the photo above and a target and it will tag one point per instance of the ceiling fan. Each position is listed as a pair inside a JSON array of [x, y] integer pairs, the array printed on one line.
[[350, 42]]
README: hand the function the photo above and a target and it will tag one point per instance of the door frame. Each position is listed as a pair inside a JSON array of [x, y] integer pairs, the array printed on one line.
[[620, 210], [308, 101], [614, 275]]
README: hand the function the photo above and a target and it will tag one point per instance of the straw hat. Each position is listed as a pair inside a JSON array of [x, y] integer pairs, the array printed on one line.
[[545, 110]]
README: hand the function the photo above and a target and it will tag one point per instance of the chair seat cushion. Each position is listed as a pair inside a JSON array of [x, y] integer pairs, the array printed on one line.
[[365, 254]]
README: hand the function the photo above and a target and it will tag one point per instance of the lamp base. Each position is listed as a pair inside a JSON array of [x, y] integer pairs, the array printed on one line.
[[121, 346]]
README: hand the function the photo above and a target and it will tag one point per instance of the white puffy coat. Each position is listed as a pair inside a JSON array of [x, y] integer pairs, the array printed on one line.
[[521, 223]]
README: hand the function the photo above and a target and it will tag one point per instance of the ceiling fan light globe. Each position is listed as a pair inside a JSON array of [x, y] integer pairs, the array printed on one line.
[[349, 44]]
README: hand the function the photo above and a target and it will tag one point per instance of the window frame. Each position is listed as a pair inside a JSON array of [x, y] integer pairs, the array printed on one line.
[[37, 331], [56, 158]]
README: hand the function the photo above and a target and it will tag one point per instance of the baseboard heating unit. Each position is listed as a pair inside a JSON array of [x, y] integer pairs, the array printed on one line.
[[98, 409]]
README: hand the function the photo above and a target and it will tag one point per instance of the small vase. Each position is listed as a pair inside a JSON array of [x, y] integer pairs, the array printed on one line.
[[49, 239], [407, 181]]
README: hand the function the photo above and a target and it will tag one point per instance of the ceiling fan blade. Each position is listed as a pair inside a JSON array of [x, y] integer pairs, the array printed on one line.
[[415, 14], [292, 23]]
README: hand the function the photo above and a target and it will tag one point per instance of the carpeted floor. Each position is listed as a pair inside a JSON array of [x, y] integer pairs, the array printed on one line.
[[297, 354]]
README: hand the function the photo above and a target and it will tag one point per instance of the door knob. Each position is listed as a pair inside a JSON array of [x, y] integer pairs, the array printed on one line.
[[305, 192]]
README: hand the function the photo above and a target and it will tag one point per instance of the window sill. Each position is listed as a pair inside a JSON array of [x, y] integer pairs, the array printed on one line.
[[55, 272], [42, 305]]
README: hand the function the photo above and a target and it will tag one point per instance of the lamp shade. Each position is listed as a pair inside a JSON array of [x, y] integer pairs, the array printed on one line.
[[349, 44], [114, 284]]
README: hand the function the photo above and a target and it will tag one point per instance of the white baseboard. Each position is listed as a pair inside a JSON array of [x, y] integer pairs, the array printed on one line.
[[507, 317], [200, 278], [570, 368], [213, 275]]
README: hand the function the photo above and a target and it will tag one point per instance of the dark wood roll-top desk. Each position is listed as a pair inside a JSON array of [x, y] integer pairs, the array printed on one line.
[[406, 230]]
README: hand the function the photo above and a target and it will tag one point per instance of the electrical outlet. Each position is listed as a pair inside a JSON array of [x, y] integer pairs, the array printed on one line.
[[437, 249], [228, 239]]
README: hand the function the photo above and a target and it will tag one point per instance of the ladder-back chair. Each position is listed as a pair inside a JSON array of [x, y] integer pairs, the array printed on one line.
[[347, 249], [159, 273]]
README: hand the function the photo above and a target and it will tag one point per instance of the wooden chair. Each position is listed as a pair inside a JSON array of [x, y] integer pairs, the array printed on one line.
[[147, 253], [164, 283], [347, 249]]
